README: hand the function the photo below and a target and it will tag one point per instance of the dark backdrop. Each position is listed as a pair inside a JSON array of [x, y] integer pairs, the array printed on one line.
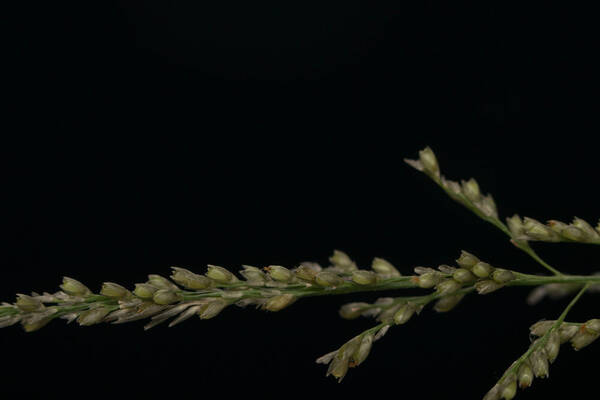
[[141, 135]]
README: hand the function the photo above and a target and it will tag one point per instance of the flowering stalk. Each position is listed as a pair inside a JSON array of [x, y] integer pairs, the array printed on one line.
[[187, 294]]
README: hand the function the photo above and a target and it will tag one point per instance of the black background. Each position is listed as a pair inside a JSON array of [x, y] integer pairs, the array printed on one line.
[[148, 134]]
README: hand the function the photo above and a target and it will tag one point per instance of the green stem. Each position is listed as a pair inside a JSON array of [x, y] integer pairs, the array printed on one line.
[[389, 284], [536, 280], [527, 249], [524, 246]]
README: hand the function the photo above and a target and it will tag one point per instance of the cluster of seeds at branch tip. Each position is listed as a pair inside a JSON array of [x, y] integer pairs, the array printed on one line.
[[466, 192], [352, 353], [543, 352], [448, 280], [187, 294], [387, 310], [553, 231]]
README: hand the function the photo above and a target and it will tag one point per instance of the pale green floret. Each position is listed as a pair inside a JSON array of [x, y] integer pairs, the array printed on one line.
[[352, 310], [28, 304], [253, 275], [482, 269], [471, 190], [363, 350], [502, 275], [329, 279], [279, 302], [279, 273], [213, 309], [429, 280], [114, 290], [467, 260], [74, 287], [463, 275], [541, 327], [161, 282], [342, 260], [539, 231], [91, 317], [144, 290], [590, 233], [552, 346], [364, 277], [448, 286], [341, 361], [166, 296], [487, 286], [509, 390], [587, 334], [34, 326], [525, 375], [190, 280], [384, 267], [487, 206], [573, 233], [593, 326], [429, 162], [447, 303], [539, 363], [219, 274], [306, 273], [404, 314], [515, 225], [338, 368], [567, 332]]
